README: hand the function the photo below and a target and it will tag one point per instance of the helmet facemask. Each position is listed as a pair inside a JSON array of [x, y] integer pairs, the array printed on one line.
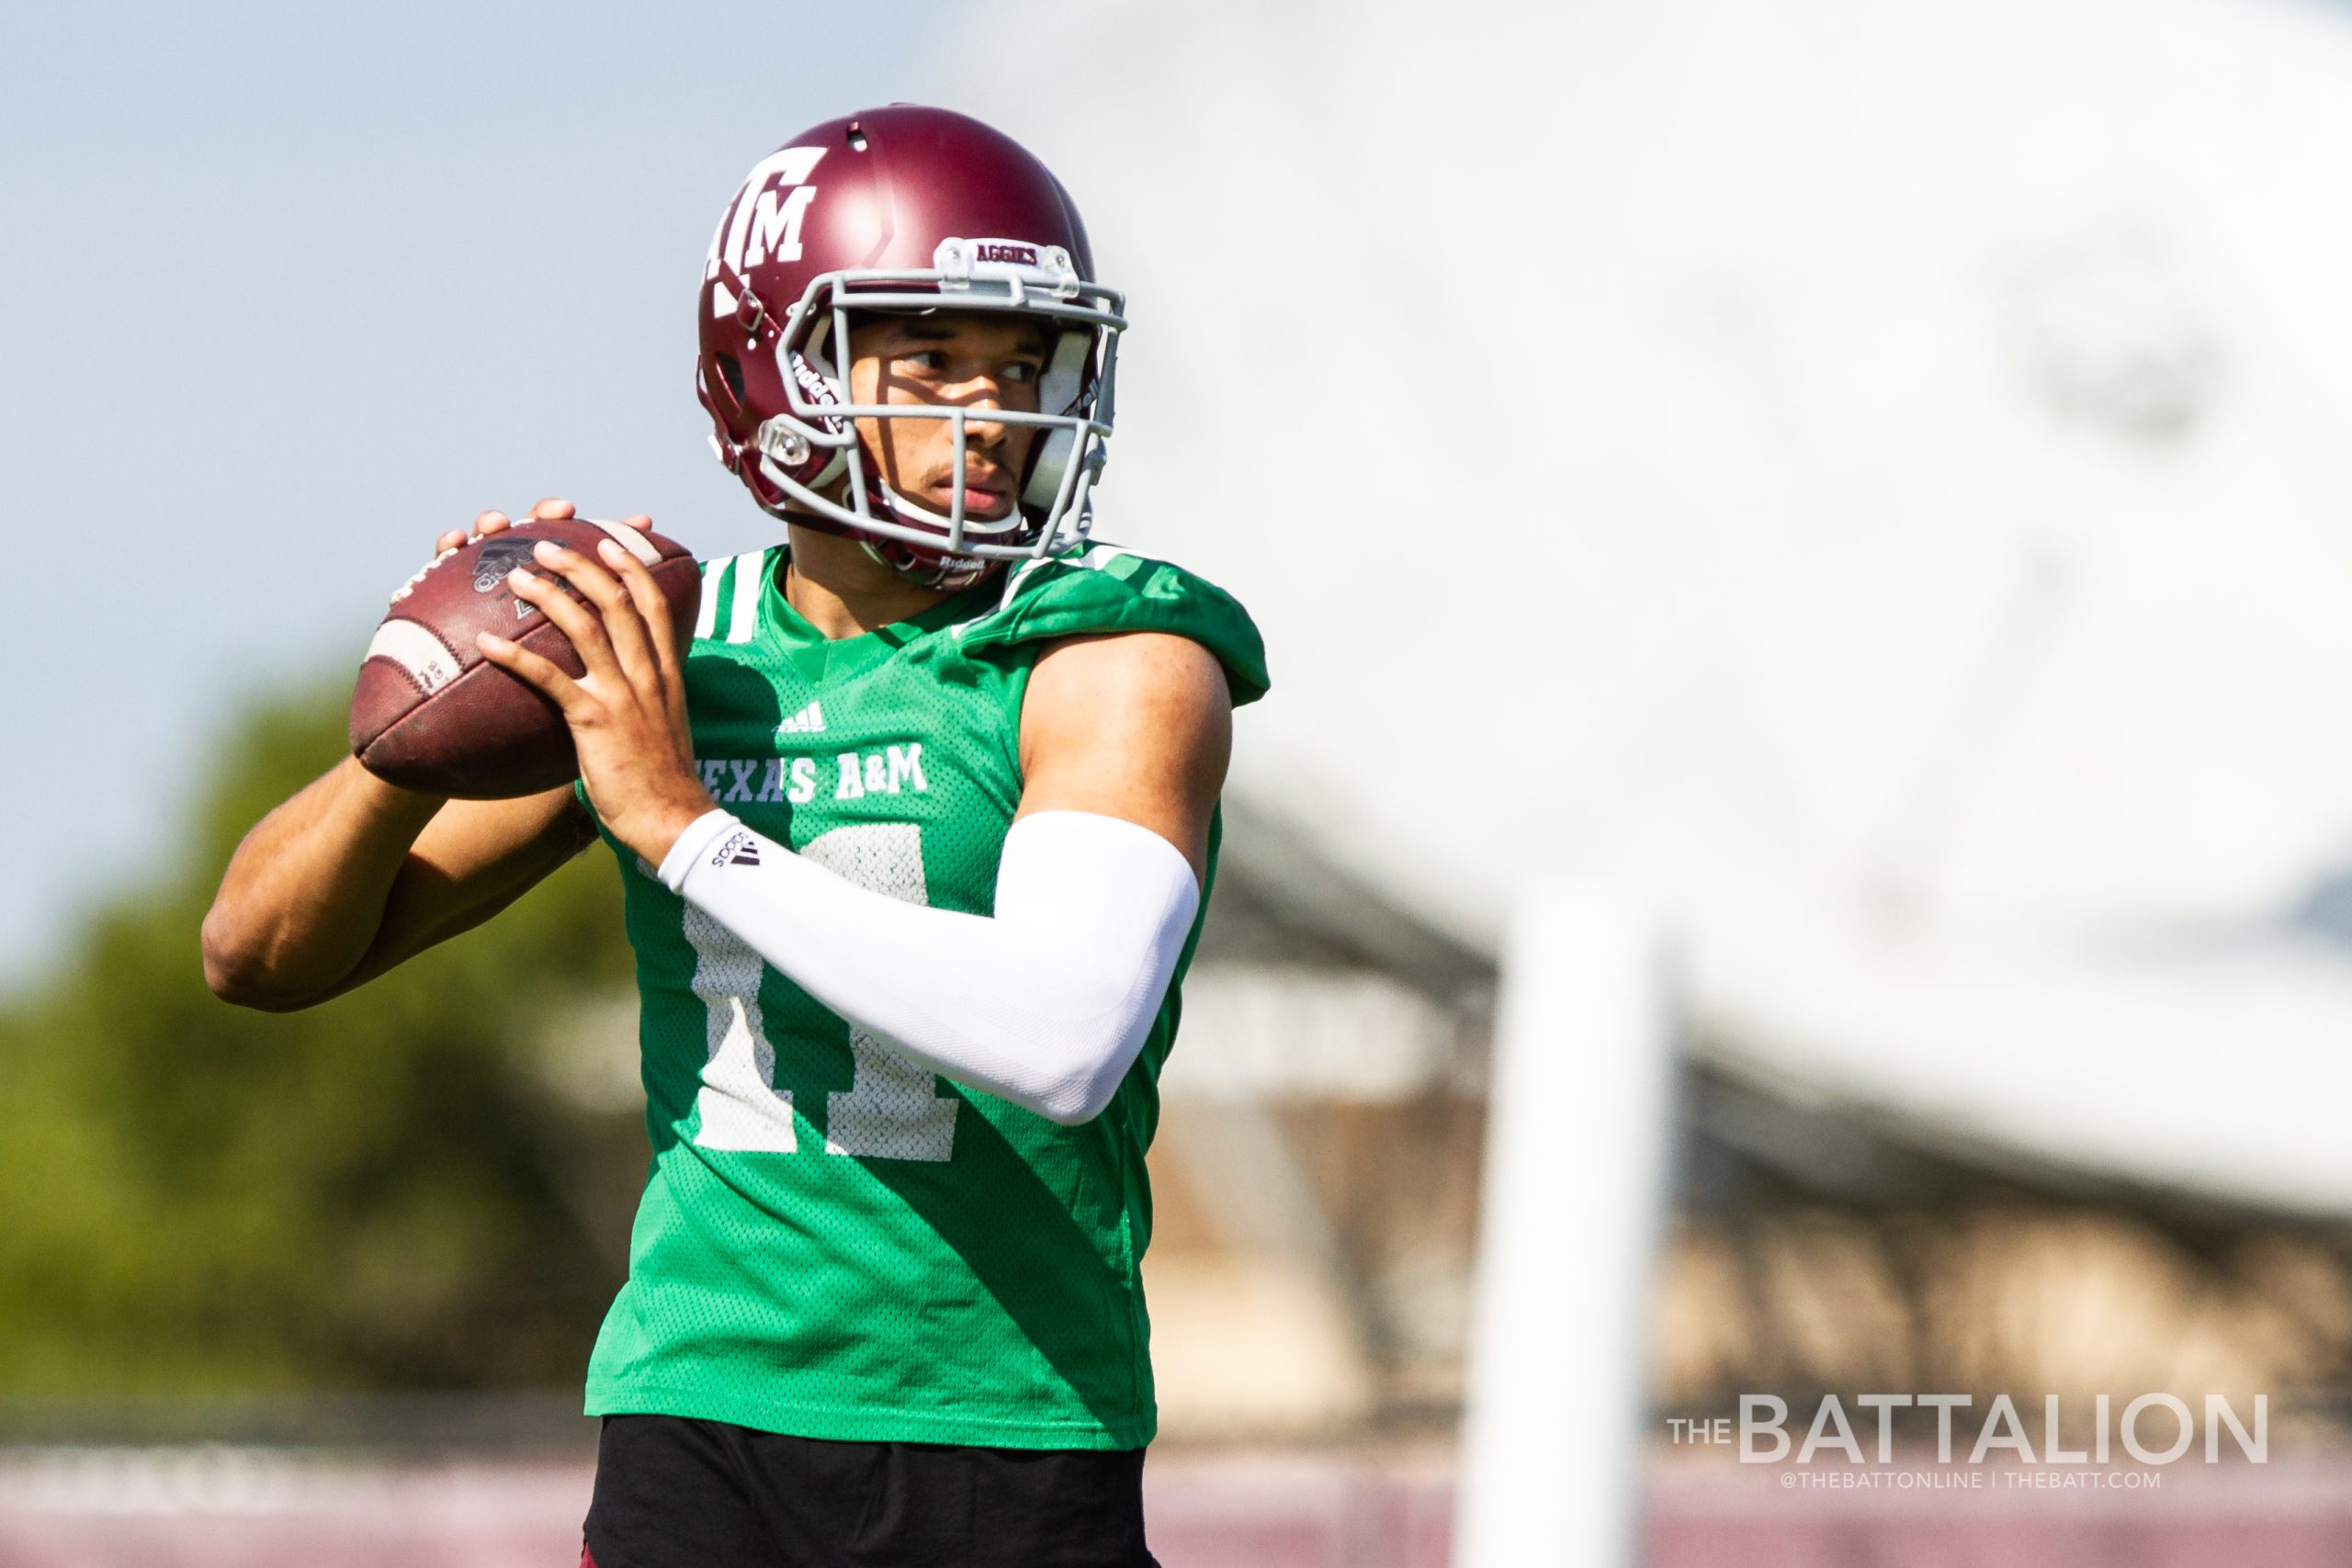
[[807, 452]]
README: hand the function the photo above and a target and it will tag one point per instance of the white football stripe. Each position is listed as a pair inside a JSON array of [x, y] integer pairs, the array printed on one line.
[[417, 652], [631, 540]]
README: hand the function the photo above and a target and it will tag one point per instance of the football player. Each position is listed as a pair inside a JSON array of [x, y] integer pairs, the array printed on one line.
[[917, 824]]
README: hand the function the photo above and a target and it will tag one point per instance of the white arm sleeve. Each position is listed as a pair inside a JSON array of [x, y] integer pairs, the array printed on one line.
[[1045, 1003]]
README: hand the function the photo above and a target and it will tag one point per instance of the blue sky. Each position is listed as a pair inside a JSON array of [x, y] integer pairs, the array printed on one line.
[[287, 290]]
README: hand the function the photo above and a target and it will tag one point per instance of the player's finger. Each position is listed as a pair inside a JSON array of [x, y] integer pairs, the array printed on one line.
[[452, 540], [575, 620], [646, 594], [551, 509], [624, 628], [533, 669], [492, 523], [624, 624]]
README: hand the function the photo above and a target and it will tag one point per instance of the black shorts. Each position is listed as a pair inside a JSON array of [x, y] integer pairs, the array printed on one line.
[[674, 1493]]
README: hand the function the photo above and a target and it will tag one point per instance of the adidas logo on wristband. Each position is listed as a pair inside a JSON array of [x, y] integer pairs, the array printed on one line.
[[737, 848]]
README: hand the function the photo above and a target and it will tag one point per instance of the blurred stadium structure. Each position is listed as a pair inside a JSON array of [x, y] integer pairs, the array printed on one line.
[[1862, 474], [1860, 470]]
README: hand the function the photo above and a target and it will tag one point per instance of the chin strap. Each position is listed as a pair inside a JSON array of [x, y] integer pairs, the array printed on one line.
[[924, 569], [928, 568]]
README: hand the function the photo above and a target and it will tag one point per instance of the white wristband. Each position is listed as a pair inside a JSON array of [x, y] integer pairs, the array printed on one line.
[[700, 834]]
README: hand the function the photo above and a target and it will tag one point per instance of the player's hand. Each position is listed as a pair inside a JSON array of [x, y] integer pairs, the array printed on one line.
[[628, 713]]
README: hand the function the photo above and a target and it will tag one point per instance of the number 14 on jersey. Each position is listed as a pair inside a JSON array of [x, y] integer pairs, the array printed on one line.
[[892, 1109]]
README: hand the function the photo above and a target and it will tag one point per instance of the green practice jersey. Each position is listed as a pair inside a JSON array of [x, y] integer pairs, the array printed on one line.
[[835, 1242]]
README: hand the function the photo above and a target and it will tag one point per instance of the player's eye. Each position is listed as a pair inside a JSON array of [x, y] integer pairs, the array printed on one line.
[[932, 359], [1021, 370]]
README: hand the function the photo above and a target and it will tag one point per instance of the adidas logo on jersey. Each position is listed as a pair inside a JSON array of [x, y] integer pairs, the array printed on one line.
[[808, 721]]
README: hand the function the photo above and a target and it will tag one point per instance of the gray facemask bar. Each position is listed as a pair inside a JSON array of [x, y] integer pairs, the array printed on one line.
[[1075, 446]]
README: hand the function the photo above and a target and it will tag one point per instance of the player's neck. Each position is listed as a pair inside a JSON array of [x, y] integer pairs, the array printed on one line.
[[842, 592]]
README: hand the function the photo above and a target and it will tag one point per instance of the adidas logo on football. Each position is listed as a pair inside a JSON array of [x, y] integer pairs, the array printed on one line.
[[808, 721]]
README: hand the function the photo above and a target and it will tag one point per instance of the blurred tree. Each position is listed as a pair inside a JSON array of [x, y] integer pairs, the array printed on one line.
[[369, 1194]]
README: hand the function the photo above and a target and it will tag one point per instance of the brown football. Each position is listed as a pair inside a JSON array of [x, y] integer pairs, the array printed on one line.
[[431, 713]]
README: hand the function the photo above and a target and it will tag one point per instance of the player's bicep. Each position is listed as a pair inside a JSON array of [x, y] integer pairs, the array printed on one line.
[[1136, 725], [474, 858]]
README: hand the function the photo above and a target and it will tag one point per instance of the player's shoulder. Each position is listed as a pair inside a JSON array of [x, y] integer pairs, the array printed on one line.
[[1109, 588]]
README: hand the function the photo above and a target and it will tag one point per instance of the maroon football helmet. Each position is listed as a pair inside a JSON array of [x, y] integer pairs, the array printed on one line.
[[908, 210]]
